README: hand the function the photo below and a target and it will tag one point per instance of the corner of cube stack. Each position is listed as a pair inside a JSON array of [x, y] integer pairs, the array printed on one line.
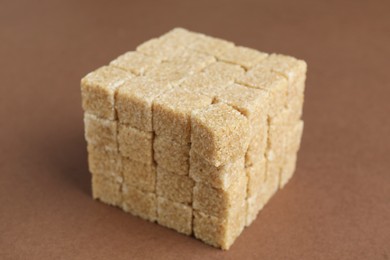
[[193, 132]]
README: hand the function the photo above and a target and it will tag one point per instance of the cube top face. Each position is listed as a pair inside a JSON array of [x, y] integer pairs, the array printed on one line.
[[249, 101], [182, 101], [243, 56], [193, 132], [224, 70], [287, 66], [179, 39], [135, 62]]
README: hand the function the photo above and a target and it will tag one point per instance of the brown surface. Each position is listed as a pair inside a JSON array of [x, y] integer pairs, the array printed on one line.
[[337, 206]]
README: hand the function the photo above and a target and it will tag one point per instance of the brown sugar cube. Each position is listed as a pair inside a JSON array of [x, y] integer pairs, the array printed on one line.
[[210, 45], [219, 232], [98, 90], [257, 146], [171, 114], [295, 108], [256, 177], [171, 155], [213, 79], [255, 203], [180, 39], [259, 197], [271, 185], [257, 189], [246, 57], [178, 66], [139, 203], [160, 48], [294, 137], [180, 36], [291, 68], [168, 44], [289, 114], [104, 162], [276, 141], [167, 72], [270, 81], [194, 132], [219, 133], [274, 167], [100, 133], [190, 61], [219, 177], [287, 170], [293, 141], [256, 182], [134, 102], [275, 152], [174, 187], [135, 144], [140, 175], [174, 215], [107, 188], [252, 103], [135, 62], [282, 144], [218, 202], [205, 84], [224, 70]]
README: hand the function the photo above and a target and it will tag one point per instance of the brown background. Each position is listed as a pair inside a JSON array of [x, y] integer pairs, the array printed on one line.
[[336, 207]]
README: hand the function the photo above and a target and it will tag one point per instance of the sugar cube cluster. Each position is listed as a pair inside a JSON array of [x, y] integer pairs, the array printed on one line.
[[193, 132]]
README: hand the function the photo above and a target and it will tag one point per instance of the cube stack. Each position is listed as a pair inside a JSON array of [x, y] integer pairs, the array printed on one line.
[[193, 132]]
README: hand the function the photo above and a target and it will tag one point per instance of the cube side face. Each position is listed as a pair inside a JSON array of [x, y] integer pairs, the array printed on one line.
[[134, 144], [218, 177], [98, 101], [104, 162], [171, 156], [217, 202], [174, 215], [219, 232], [256, 175], [193, 132], [139, 203], [101, 133], [257, 146], [107, 189], [174, 187], [292, 145], [139, 174], [98, 91]]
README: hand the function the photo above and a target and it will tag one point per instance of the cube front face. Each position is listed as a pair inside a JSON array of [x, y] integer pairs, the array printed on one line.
[[193, 132]]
